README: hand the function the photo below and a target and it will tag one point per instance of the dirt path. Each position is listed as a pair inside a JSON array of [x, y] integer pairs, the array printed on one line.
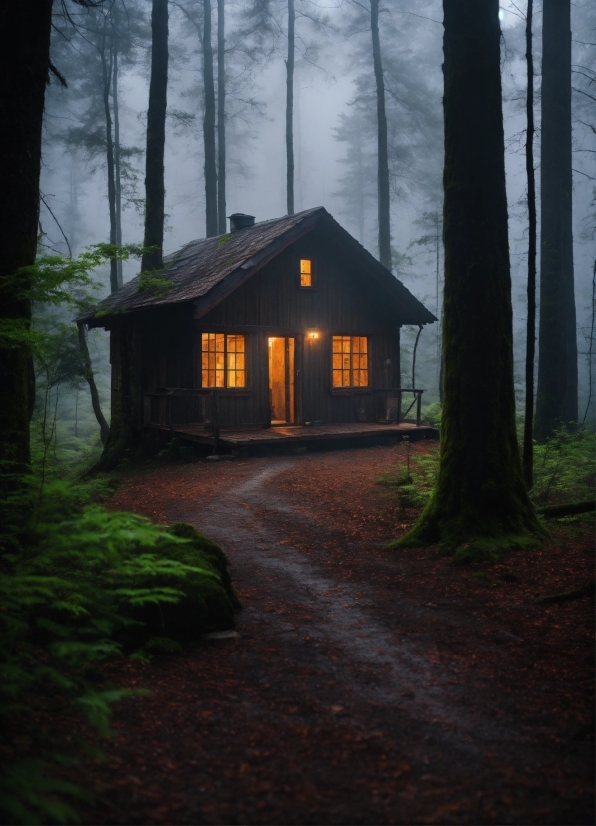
[[365, 687]]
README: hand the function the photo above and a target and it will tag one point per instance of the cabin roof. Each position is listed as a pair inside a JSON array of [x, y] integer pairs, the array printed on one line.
[[226, 261]]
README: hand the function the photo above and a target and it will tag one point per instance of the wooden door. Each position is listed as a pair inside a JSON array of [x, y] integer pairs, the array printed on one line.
[[282, 380]]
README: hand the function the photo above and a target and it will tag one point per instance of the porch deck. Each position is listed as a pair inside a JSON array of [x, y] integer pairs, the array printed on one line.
[[324, 436]]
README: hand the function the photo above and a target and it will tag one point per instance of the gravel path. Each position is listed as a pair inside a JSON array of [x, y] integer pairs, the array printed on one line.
[[355, 693]]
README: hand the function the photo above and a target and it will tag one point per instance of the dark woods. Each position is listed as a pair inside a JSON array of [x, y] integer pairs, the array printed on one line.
[[130, 129]]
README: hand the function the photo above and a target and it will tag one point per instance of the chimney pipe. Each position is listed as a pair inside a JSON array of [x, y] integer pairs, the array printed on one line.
[[240, 221]]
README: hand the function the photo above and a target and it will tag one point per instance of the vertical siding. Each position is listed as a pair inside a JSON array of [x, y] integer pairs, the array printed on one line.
[[342, 302]]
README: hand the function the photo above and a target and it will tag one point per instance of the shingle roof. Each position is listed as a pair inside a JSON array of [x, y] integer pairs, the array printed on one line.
[[201, 265]]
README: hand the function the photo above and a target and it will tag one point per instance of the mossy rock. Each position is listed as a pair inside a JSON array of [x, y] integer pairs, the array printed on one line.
[[209, 600]]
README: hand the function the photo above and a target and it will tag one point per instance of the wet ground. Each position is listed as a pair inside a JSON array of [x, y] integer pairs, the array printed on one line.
[[366, 686]]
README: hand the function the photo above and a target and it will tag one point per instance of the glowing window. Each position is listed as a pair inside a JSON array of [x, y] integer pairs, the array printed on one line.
[[305, 272], [223, 360], [350, 361]]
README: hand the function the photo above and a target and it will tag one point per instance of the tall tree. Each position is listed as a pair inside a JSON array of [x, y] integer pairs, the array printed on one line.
[[24, 67], [556, 397], [528, 452], [290, 108], [221, 119], [156, 138], [480, 501], [117, 160], [383, 158], [211, 223], [107, 66]]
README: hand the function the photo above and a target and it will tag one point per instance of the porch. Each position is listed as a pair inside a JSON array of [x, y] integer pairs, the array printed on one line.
[[193, 416]]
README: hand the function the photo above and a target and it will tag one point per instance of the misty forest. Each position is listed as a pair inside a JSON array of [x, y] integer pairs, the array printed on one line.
[[297, 411]]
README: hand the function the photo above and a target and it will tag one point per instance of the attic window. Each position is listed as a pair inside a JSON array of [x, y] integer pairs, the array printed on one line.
[[305, 272], [350, 361], [223, 360]]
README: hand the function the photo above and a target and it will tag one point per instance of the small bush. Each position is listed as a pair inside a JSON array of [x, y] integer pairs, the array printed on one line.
[[432, 414], [564, 467]]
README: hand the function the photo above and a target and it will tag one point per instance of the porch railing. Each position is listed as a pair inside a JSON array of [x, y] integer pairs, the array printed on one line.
[[175, 406], [396, 400]]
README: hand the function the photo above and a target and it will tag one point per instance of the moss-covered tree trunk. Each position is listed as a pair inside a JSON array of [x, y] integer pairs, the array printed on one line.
[[556, 396], [156, 138], [480, 500], [25, 70]]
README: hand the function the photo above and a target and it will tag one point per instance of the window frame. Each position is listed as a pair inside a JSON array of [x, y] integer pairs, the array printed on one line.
[[226, 369], [297, 268], [351, 388]]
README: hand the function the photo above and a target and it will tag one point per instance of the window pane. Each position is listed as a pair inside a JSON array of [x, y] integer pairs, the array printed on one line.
[[350, 361], [235, 361], [305, 272]]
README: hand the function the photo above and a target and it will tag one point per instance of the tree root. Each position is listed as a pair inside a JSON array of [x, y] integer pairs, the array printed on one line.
[[568, 509], [565, 596]]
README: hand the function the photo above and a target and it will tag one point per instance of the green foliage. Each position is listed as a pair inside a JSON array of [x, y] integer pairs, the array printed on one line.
[[432, 414], [80, 585], [414, 481], [564, 467], [57, 281], [152, 281]]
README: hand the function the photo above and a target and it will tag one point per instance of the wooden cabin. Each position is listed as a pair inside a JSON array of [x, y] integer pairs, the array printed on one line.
[[283, 322]]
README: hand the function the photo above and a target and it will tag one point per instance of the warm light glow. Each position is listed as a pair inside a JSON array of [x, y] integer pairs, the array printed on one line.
[[223, 360], [305, 272], [350, 361], [313, 334]]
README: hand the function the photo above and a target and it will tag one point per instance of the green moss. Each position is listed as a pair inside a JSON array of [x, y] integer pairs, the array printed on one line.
[[207, 602], [224, 239], [151, 281]]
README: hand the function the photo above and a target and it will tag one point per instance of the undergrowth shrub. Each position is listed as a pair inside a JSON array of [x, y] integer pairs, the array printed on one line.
[[564, 471], [432, 414], [79, 585], [564, 467]]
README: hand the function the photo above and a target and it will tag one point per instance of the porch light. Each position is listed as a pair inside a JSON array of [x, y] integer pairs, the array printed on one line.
[[312, 334]]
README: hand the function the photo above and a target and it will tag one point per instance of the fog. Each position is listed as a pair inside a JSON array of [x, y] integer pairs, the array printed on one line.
[[333, 80]]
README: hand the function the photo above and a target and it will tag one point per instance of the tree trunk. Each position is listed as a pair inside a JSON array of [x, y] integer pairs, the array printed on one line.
[[117, 181], [106, 70], [480, 501], [156, 138], [383, 159], [556, 398], [209, 126], [528, 452], [360, 182], [122, 436], [290, 109], [24, 67], [90, 378], [221, 119]]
